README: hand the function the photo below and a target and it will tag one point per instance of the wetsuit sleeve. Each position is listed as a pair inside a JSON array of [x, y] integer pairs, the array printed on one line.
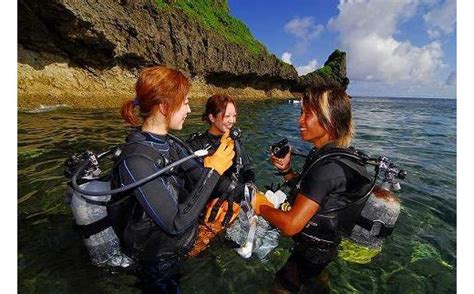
[[321, 180], [171, 211]]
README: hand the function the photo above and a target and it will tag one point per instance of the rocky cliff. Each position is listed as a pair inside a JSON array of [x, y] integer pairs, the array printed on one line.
[[75, 51]]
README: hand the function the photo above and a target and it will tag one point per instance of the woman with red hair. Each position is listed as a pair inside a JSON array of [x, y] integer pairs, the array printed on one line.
[[159, 221]]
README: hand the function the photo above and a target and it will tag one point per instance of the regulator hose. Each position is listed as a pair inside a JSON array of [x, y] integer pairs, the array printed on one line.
[[75, 186]]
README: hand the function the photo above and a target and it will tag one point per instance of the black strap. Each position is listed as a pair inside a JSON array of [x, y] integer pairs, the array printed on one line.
[[346, 157], [139, 149], [332, 153], [181, 142], [368, 225], [385, 231], [93, 228]]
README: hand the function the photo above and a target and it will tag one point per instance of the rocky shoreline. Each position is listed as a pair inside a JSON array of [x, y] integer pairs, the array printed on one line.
[[43, 81], [88, 55]]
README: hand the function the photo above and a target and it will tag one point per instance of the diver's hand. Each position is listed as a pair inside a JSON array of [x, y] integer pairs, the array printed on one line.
[[260, 200], [282, 164], [221, 160]]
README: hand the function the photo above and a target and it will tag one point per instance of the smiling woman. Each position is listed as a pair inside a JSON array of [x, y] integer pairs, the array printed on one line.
[[324, 186], [158, 223], [221, 115]]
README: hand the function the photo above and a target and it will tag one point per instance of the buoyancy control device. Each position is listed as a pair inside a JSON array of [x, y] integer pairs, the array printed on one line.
[[90, 195], [379, 207]]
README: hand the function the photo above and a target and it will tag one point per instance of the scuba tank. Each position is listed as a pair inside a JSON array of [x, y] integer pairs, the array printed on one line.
[[377, 219], [90, 213], [92, 223], [380, 213], [90, 195]]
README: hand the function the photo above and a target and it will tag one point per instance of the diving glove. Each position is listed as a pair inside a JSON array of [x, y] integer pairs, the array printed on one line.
[[260, 200], [221, 160], [276, 198]]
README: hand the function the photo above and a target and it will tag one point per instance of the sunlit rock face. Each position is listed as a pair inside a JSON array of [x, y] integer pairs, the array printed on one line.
[[72, 48]]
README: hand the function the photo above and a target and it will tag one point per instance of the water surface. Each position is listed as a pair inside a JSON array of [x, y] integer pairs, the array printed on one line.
[[420, 256]]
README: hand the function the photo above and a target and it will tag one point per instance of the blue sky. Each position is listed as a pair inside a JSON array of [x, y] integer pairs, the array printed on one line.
[[396, 48]]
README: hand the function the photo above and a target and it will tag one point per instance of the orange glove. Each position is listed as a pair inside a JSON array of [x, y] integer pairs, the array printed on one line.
[[221, 212], [221, 160], [260, 200]]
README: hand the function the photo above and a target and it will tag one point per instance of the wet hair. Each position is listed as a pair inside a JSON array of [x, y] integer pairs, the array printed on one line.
[[217, 104], [156, 85], [332, 106]]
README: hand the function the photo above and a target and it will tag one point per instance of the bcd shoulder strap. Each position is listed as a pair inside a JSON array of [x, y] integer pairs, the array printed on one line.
[[341, 154], [141, 150], [349, 159]]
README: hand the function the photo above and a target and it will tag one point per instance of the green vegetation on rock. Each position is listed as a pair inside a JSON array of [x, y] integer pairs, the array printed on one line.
[[325, 72], [332, 73], [215, 16]]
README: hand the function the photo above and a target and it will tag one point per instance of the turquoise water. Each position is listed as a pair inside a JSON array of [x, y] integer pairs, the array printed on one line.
[[420, 256]]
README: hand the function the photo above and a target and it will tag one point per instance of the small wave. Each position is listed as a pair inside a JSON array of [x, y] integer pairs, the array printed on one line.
[[46, 108]]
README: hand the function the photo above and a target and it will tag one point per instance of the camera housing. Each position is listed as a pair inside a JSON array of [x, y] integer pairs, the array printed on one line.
[[281, 148], [235, 133]]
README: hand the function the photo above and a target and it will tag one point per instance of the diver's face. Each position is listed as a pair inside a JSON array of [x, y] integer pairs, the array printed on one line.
[[310, 128], [177, 118], [223, 122]]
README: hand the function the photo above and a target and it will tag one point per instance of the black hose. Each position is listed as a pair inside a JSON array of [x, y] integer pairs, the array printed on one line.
[[133, 185]]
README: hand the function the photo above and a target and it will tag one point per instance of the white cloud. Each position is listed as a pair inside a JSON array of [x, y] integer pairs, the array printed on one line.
[[367, 33], [305, 30], [433, 34], [286, 57], [442, 17], [377, 17], [304, 69]]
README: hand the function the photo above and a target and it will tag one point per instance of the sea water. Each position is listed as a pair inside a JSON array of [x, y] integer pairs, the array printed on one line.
[[420, 256]]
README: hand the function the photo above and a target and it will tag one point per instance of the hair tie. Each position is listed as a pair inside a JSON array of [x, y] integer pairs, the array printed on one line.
[[136, 102]]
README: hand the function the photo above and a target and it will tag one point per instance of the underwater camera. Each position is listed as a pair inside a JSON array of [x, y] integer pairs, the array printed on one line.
[[281, 148], [235, 133]]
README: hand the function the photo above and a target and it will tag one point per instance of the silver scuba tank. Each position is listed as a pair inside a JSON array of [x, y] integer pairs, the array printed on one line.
[[104, 246], [377, 218]]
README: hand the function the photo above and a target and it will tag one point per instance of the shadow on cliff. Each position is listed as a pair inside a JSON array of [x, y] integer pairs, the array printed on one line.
[[265, 82], [48, 34]]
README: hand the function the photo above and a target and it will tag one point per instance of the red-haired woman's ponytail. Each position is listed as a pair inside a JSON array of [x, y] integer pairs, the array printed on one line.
[[127, 113]]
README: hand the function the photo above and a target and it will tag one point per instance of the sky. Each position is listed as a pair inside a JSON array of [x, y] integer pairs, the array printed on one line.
[[395, 48]]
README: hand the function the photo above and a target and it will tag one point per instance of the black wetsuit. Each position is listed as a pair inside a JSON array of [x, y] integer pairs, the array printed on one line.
[[332, 183], [163, 222], [241, 171]]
